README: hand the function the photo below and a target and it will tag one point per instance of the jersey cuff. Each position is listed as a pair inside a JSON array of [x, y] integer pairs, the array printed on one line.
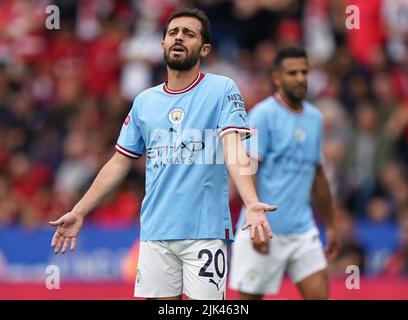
[[245, 133], [127, 153]]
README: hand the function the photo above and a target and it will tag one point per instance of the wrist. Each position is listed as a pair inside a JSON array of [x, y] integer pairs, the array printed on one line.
[[251, 202], [79, 212]]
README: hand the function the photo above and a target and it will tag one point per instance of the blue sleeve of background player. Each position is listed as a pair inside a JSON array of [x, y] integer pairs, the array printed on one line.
[[257, 146]]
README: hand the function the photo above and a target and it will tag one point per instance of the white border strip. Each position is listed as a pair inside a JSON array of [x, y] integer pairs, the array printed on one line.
[[240, 130], [132, 155]]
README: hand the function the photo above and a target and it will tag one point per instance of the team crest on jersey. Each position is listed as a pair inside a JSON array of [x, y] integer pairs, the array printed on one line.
[[176, 115], [300, 135]]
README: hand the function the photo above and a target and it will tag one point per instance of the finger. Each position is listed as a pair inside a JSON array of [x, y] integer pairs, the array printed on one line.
[[267, 246], [252, 232], [64, 247], [245, 226], [73, 242], [270, 208], [261, 233], [268, 230], [56, 222], [55, 238], [59, 244]]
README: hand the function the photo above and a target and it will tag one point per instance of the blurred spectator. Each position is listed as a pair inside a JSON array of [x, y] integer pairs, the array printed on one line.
[[395, 17], [336, 132], [393, 184], [366, 154], [319, 38], [140, 53], [120, 208], [398, 262], [377, 234], [76, 169], [351, 252], [103, 59], [366, 40]]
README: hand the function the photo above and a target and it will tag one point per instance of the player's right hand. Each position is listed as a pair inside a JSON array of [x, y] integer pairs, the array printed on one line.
[[68, 228], [256, 218], [259, 246]]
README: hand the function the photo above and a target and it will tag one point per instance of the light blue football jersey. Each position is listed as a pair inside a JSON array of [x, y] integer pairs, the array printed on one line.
[[186, 179], [289, 149]]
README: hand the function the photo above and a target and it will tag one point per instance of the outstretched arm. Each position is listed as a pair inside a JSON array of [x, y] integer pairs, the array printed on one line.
[[322, 200], [108, 178], [242, 169]]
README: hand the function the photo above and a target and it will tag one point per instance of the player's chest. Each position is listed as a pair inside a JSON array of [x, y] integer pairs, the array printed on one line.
[[288, 134], [176, 114]]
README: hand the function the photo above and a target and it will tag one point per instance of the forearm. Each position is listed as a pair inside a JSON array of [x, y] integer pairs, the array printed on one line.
[[108, 178], [322, 198], [241, 168]]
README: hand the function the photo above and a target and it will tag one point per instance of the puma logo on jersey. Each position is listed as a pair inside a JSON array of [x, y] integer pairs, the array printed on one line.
[[215, 283], [243, 118]]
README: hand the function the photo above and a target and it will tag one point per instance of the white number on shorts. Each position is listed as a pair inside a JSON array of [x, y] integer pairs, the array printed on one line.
[[203, 271]]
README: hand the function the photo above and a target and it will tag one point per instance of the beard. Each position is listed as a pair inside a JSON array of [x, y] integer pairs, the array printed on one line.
[[293, 95], [182, 64]]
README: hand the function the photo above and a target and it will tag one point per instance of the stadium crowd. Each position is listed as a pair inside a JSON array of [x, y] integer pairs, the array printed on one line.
[[65, 92]]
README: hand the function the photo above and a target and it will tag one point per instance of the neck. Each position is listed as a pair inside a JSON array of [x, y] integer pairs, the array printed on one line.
[[178, 80], [295, 105]]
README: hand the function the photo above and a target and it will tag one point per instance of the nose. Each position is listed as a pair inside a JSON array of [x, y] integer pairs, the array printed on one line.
[[179, 36], [300, 77]]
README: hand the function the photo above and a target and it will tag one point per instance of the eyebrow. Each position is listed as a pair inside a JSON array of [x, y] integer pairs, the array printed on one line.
[[185, 29]]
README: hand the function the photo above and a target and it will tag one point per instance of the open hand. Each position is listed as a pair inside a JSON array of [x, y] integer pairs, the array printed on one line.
[[258, 221], [68, 228]]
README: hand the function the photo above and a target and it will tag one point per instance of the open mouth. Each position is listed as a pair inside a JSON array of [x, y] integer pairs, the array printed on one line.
[[178, 49]]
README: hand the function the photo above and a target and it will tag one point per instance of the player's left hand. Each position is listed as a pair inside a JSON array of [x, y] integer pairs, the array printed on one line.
[[333, 243], [258, 221]]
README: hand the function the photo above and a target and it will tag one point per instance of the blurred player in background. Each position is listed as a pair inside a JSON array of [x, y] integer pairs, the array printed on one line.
[[291, 173], [185, 218]]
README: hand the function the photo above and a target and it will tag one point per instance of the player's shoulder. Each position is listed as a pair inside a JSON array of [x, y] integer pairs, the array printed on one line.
[[264, 106], [312, 110], [147, 95], [219, 81], [152, 91]]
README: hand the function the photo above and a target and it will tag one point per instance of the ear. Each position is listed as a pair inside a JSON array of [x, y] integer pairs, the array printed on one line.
[[162, 46], [276, 78], [205, 50]]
